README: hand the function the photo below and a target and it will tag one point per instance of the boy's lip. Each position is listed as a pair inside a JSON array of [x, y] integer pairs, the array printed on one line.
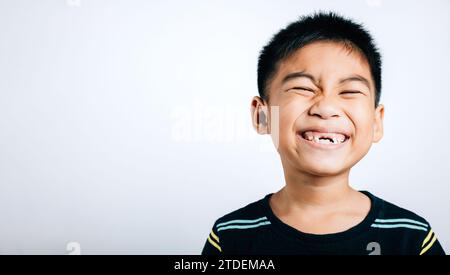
[[325, 131]]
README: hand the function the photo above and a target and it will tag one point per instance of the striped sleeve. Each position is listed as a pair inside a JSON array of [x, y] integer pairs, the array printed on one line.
[[212, 245], [429, 245]]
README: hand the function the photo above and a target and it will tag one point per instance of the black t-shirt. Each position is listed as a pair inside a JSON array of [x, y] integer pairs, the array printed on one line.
[[387, 229]]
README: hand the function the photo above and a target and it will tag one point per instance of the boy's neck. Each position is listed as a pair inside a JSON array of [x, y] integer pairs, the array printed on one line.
[[319, 204], [316, 192]]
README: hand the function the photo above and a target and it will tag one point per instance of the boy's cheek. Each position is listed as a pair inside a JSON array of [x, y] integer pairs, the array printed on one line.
[[287, 119], [362, 141]]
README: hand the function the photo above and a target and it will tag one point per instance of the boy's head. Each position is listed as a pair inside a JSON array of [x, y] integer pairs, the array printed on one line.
[[323, 72]]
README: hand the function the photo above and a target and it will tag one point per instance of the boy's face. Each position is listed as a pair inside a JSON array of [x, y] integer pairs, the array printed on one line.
[[327, 118]]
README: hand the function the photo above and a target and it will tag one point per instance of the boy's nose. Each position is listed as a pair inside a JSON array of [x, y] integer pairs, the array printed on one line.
[[325, 108]]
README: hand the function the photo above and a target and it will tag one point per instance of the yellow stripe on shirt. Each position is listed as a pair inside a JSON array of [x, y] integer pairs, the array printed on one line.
[[214, 244], [214, 236], [427, 238], [425, 249]]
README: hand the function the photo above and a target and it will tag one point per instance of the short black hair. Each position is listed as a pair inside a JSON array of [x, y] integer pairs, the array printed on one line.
[[319, 26]]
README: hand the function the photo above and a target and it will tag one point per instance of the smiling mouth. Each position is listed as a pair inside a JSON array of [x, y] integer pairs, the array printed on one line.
[[325, 138]]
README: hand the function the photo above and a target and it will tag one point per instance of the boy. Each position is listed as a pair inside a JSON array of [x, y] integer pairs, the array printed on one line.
[[323, 75]]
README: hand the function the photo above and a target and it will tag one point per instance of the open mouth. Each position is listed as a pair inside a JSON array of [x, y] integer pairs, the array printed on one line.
[[327, 138]]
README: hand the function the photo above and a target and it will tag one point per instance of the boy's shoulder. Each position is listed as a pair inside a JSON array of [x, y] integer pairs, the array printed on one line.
[[389, 212], [252, 212], [405, 228]]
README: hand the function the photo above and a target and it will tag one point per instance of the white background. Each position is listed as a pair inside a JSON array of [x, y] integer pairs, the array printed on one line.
[[125, 125]]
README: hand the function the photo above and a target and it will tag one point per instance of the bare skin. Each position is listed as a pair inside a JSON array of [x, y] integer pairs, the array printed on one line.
[[332, 91], [319, 210]]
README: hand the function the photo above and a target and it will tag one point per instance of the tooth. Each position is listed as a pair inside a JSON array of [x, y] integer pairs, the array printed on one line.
[[308, 136], [324, 138]]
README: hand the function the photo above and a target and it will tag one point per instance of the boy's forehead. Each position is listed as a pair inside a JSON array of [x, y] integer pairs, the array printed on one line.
[[325, 61]]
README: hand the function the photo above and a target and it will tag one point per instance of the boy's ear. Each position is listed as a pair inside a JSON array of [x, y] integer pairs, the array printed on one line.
[[378, 123], [260, 116]]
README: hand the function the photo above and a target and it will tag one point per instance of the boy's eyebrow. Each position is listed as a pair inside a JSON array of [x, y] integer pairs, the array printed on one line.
[[298, 74], [356, 77]]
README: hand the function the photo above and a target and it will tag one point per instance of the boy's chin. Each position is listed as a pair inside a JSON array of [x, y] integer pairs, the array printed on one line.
[[324, 169]]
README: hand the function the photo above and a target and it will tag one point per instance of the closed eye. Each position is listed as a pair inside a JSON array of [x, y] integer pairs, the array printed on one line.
[[303, 89], [351, 92]]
